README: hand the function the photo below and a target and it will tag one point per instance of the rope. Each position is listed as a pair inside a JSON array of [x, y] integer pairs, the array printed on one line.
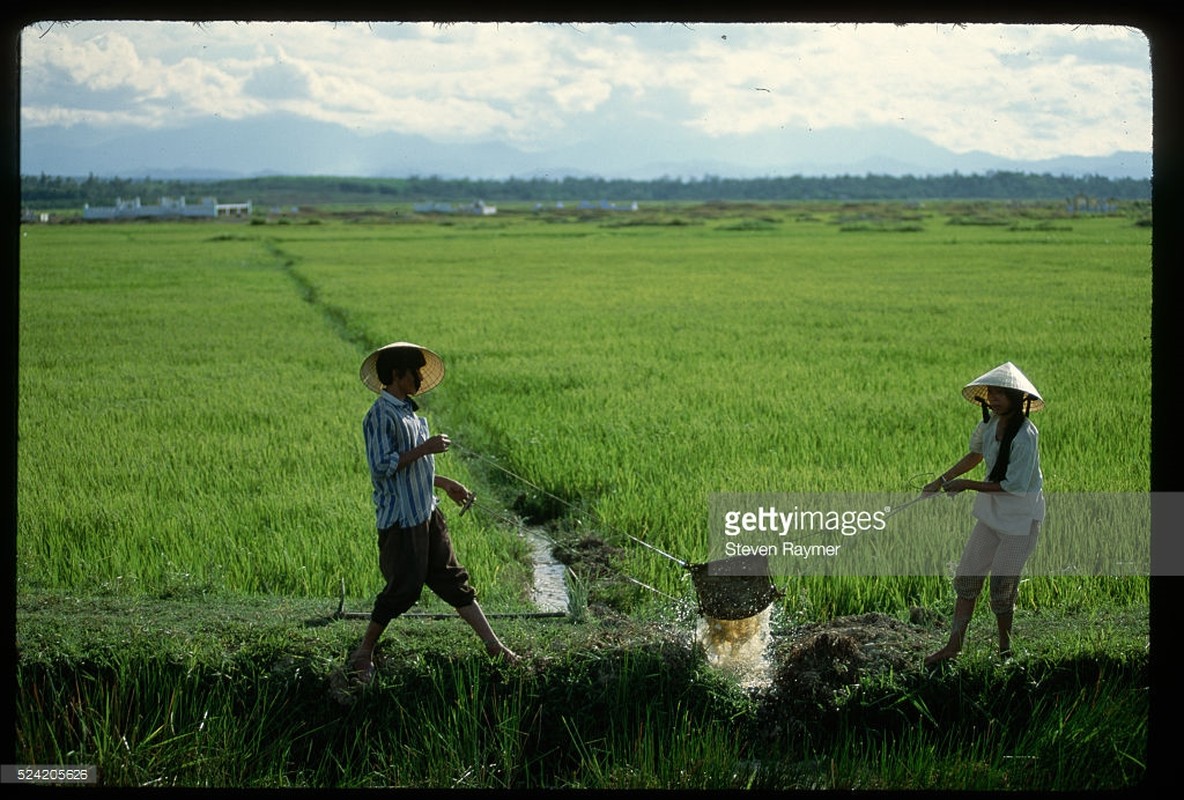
[[911, 483], [919, 481], [514, 475], [600, 521]]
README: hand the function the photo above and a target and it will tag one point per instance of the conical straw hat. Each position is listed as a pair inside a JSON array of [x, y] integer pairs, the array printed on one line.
[[432, 370], [1004, 376]]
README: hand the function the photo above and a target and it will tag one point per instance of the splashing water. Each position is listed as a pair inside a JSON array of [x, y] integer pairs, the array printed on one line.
[[738, 646]]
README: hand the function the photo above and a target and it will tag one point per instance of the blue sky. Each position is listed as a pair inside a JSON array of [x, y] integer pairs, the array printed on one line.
[[1022, 92]]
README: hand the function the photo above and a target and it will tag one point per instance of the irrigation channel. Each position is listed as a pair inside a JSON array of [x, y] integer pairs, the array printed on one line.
[[733, 623]]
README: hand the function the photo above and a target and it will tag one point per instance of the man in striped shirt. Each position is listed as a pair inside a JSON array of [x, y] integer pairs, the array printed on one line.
[[414, 548]]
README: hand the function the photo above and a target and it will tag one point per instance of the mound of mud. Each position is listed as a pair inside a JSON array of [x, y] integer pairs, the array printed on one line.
[[816, 661]]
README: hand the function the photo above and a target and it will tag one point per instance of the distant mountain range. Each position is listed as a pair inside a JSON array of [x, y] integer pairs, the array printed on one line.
[[290, 146]]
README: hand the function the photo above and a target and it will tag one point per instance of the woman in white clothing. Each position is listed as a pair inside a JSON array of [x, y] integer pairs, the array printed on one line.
[[1009, 507]]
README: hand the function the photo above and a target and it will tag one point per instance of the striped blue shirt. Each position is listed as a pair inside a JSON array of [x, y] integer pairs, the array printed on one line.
[[405, 496]]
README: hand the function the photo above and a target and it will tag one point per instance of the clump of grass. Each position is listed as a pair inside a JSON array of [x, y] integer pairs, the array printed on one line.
[[749, 225], [984, 219], [881, 227], [577, 596]]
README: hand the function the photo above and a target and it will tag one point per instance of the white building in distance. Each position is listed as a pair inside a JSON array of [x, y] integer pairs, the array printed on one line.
[[169, 207]]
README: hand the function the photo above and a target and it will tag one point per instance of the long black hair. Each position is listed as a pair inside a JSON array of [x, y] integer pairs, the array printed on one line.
[[1014, 423]]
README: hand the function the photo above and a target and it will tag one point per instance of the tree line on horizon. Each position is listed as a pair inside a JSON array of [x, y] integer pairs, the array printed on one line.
[[59, 192]]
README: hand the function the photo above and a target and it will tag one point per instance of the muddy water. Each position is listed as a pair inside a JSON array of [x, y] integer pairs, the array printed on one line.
[[549, 590], [738, 647]]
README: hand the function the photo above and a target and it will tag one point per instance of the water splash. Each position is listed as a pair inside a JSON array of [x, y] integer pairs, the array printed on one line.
[[738, 647]]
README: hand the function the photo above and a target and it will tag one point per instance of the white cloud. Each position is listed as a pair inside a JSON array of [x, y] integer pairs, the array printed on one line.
[[1018, 91], [947, 83]]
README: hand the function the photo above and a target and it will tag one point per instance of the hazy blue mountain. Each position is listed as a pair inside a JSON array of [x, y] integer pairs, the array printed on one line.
[[292, 146]]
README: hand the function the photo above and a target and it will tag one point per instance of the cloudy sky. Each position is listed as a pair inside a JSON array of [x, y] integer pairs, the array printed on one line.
[[1023, 92]]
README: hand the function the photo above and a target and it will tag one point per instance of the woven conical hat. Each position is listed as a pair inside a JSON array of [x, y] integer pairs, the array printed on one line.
[[432, 370], [1004, 376]]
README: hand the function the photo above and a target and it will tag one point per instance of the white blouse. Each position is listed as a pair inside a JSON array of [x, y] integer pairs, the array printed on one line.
[[1013, 510]]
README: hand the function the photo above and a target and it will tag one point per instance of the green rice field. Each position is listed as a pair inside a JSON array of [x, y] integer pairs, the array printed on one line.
[[189, 430]]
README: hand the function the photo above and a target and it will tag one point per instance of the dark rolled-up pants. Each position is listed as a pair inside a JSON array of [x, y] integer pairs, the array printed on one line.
[[411, 558]]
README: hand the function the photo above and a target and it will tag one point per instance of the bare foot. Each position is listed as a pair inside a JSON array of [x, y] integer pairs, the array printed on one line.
[[944, 654], [361, 668]]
